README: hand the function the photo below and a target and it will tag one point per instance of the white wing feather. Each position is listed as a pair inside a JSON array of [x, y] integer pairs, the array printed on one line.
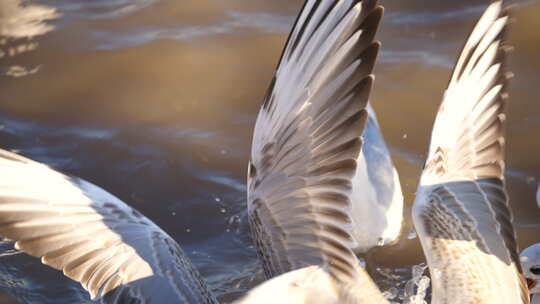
[[92, 236], [461, 210]]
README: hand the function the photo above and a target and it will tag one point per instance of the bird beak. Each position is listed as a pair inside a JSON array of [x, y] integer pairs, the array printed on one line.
[[531, 283]]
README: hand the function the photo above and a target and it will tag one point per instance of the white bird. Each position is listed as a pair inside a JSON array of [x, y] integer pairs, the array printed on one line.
[[116, 253], [461, 209], [314, 190], [530, 261]]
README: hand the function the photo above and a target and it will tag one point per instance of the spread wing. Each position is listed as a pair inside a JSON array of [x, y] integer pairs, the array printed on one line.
[[307, 139], [94, 238], [462, 207]]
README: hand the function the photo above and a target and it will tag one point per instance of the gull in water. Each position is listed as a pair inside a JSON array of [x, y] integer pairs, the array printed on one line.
[[461, 210], [530, 261], [117, 254], [316, 188], [320, 187]]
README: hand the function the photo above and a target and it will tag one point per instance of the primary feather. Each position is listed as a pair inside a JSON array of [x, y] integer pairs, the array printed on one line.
[[311, 201], [116, 253], [303, 184]]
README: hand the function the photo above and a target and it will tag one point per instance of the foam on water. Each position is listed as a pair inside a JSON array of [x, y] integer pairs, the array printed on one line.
[[409, 285]]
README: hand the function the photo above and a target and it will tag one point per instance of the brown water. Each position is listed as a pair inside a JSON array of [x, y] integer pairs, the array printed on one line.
[[155, 101]]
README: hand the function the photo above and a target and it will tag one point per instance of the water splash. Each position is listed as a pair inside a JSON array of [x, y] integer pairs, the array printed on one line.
[[416, 288], [405, 285]]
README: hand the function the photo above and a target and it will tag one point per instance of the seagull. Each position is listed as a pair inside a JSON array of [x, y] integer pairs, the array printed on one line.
[[116, 253], [318, 190], [461, 210], [530, 261]]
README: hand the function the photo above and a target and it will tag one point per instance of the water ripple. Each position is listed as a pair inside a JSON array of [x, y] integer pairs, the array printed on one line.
[[99, 9]]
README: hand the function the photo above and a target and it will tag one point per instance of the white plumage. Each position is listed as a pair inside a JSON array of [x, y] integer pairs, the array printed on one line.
[[314, 284], [115, 252], [313, 189], [461, 210]]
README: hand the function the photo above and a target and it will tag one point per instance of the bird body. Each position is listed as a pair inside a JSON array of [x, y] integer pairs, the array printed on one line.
[[377, 196], [314, 284]]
